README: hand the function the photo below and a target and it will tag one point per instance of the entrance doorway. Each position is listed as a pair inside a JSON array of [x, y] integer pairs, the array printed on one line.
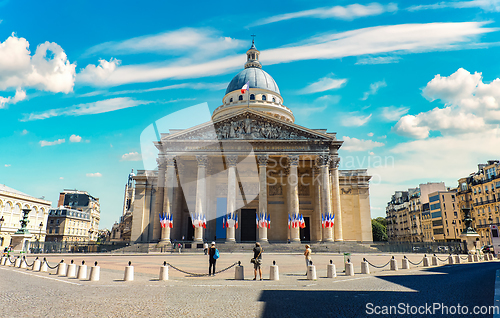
[[305, 233], [248, 226], [190, 230], [220, 231]]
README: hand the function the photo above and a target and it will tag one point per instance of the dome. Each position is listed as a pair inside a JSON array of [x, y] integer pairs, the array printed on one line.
[[256, 77]]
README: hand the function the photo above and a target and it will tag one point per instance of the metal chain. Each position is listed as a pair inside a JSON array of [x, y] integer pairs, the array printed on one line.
[[379, 266], [464, 259], [51, 266], [11, 261], [28, 265], [415, 264], [199, 275], [445, 260]]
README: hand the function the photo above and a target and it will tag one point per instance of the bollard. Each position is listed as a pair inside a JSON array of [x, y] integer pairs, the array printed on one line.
[[394, 264], [476, 258], [71, 272], [331, 272], [94, 273], [425, 261], [44, 267], [457, 259], [490, 256], [434, 260], [405, 263], [274, 273], [364, 267], [498, 256], [82, 271], [349, 268], [8, 262], [3, 261], [23, 263], [163, 272], [451, 261], [62, 269], [17, 263], [238, 272], [129, 272], [471, 258], [311, 272], [36, 265]]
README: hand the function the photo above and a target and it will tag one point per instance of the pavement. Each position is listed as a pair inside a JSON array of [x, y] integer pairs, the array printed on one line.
[[37, 294]]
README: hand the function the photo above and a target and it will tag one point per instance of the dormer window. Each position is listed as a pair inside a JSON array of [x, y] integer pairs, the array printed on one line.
[[252, 97], [240, 98]]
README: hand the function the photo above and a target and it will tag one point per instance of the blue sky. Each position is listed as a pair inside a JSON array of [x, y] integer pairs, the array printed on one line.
[[414, 86]]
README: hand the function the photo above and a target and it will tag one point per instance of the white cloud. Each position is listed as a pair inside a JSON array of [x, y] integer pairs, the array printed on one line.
[[61, 178], [132, 156], [403, 38], [377, 60], [329, 99], [24, 132], [353, 120], [349, 12], [6, 165], [48, 69], [94, 175], [19, 96], [392, 113], [355, 144], [203, 42], [44, 143], [304, 112], [370, 134], [100, 73], [75, 138], [323, 84], [470, 105], [486, 5], [374, 87], [103, 106]]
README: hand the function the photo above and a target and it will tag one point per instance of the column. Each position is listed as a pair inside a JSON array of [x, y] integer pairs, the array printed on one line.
[[334, 172], [155, 225], [293, 184], [323, 161], [168, 199], [262, 159], [317, 201], [201, 193], [231, 193]]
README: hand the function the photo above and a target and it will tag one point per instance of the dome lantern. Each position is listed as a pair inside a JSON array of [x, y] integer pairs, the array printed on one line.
[[253, 56]]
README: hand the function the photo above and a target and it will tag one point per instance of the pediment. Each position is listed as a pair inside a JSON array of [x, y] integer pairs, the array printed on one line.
[[248, 125]]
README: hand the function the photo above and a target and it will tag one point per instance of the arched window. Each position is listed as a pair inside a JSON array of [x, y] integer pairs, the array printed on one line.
[[263, 97], [240, 98], [231, 100], [274, 100], [252, 97]]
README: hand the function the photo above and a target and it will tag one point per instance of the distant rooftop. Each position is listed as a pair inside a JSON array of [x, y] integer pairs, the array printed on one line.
[[5, 188]]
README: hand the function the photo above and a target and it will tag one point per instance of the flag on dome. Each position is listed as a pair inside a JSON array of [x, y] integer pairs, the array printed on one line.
[[245, 87]]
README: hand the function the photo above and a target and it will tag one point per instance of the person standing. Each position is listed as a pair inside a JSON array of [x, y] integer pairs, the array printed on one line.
[[213, 254], [307, 255], [257, 256], [205, 248]]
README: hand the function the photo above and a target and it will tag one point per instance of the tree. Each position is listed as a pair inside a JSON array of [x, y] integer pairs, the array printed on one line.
[[382, 221], [379, 231]]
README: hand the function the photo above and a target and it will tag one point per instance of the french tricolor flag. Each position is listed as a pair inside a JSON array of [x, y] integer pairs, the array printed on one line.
[[245, 87]]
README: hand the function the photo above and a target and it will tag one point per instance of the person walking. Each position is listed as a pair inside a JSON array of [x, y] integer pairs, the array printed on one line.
[[205, 248], [257, 260], [213, 255], [307, 255]]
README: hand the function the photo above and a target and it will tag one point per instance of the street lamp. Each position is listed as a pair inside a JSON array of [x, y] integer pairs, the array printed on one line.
[[454, 230], [90, 234], [1, 222], [40, 233]]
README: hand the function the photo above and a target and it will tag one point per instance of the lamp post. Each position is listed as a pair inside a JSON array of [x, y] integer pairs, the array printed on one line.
[[490, 240], [90, 234], [40, 233], [1, 222], [454, 230]]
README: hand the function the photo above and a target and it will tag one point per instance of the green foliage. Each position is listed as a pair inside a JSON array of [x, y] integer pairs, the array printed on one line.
[[381, 220], [379, 231]]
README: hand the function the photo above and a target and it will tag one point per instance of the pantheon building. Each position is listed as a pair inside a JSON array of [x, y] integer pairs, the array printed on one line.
[[248, 174]]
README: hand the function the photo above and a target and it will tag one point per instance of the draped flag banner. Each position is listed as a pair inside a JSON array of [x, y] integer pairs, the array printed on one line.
[[230, 220], [166, 220], [296, 221], [327, 220], [198, 220], [263, 220]]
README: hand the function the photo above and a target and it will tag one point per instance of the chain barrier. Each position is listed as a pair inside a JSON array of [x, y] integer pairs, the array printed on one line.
[[415, 264], [51, 266], [200, 275], [463, 258], [445, 260], [11, 261], [28, 265], [376, 265]]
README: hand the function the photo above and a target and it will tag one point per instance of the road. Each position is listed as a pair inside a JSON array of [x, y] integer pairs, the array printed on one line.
[[25, 293]]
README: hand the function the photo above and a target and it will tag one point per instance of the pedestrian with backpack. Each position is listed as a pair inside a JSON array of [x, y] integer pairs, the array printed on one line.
[[213, 255]]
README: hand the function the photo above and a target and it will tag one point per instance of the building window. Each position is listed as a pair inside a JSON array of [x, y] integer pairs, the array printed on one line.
[[274, 101], [252, 97], [264, 97], [240, 98], [230, 100], [52, 221]]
